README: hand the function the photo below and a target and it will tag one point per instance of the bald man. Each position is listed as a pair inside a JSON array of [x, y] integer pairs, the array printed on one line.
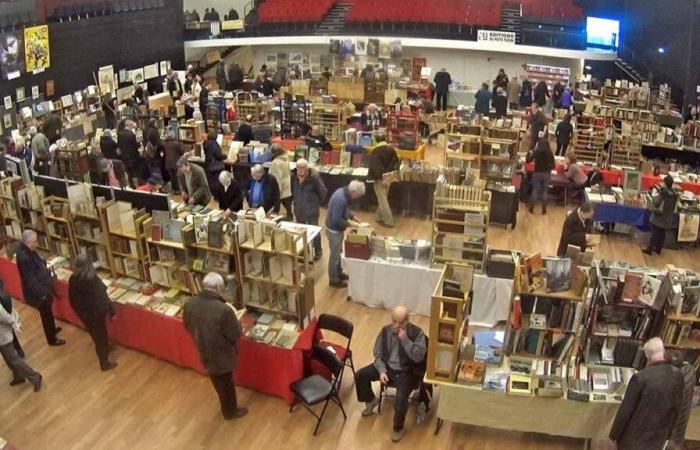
[[399, 359]]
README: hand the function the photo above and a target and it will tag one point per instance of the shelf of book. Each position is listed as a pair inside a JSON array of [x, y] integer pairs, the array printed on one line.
[[10, 212], [329, 118], [58, 226], [127, 250], [449, 320]]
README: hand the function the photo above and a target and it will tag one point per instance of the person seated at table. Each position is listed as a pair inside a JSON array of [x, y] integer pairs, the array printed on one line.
[[371, 119], [245, 131], [399, 360], [578, 224], [228, 194], [88, 298], [263, 190], [153, 184], [315, 138], [564, 132], [542, 174], [573, 171], [662, 209], [194, 188]]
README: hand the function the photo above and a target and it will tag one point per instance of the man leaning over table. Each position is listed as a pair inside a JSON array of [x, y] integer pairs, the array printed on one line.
[[337, 219]]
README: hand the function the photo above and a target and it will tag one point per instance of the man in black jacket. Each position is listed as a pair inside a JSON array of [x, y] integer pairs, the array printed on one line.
[[215, 330], [648, 413], [382, 160], [37, 285], [538, 122], [309, 193], [662, 209], [129, 147], [263, 190], [544, 163], [399, 359], [235, 77], [213, 160], [442, 88], [245, 131], [576, 226]]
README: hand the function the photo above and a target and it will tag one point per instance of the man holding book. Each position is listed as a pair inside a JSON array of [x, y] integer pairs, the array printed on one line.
[[649, 410], [194, 187], [338, 218], [576, 230], [400, 361], [215, 330]]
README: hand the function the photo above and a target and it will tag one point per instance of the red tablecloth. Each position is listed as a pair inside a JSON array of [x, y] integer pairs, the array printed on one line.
[[261, 367], [610, 176]]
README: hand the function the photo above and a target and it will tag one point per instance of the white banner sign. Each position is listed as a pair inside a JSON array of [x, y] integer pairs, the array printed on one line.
[[504, 37]]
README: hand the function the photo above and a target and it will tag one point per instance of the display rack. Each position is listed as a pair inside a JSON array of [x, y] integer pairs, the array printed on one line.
[[274, 270], [170, 264], [460, 224], [127, 247], [375, 91], [9, 208], [329, 118], [249, 104], [402, 129], [449, 320], [190, 134], [91, 238], [58, 225], [498, 159], [71, 162], [295, 113], [462, 150], [549, 74], [589, 139], [347, 88]]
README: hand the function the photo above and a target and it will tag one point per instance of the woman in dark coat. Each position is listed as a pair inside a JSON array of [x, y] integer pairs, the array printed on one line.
[[541, 93], [88, 297], [229, 194]]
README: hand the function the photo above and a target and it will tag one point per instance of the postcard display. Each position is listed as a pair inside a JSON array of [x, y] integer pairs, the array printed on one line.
[[493, 152]]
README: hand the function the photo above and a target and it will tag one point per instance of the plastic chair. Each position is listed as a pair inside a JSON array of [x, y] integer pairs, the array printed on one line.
[[316, 389], [344, 328]]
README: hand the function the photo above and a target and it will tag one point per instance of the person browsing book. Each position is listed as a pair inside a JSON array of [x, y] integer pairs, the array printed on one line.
[[263, 190], [662, 209], [577, 226], [648, 413], [215, 331], [382, 160], [338, 218], [229, 194], [193, 183], [400, 360]]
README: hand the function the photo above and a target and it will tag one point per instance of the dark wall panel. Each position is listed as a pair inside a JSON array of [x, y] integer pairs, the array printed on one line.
[[126, 41]]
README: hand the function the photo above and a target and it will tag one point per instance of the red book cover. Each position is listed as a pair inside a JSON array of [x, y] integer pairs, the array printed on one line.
[[156, 232]]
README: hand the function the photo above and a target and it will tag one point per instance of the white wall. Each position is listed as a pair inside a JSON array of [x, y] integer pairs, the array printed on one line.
[[222, 6], [468, 67]]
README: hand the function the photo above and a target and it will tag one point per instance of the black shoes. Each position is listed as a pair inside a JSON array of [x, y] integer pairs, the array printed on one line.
[[651, 252], [344, 277], [58, 330], [58, 343], [37, 386], [16, 382], [109, 366], [338, 284], [240, 412]]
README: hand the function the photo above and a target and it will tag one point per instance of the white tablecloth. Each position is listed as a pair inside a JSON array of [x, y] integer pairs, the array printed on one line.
[[382, 284], [379, 283], [491, 303]]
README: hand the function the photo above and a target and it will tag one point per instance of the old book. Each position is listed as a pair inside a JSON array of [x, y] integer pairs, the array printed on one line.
[[633, 287], [201, 229], [280, 241], [496, 381], [519, 385], [558, 274], [215, 234], [649, 290], [471, 372]]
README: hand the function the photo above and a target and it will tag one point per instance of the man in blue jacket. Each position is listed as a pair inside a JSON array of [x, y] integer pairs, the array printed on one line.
[[337, 220], [483, 100]]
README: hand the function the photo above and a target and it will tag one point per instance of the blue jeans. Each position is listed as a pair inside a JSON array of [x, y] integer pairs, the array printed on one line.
[[335, 248], [540, 186]]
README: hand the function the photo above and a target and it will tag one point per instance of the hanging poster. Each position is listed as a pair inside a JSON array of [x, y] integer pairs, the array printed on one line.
[[19, 94], [688, 227], [122, 75], [11, 55], [334, 47], [8, 102], [150, 71], [271, 61], [384, 49], [35, 92], [347, 46], [7, 121], [36, 48], [105, 78], [295, 59], [395, 48], [137, 76], [164, 67], [373, 47], [361, 46], [282, 60]]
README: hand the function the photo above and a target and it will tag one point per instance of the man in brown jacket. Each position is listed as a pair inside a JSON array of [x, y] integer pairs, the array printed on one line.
[[215, 331], [646, 418]]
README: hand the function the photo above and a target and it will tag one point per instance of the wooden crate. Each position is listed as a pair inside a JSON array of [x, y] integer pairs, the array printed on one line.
[[347, 88]]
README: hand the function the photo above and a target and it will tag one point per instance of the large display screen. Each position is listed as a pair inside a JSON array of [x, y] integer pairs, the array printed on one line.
[[603, 32]]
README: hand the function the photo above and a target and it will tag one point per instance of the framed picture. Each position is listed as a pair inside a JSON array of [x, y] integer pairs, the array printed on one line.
[[19, 94], [633, 181], [35, 92], [8, 102], [361, 46], [105, 78], [373, 47], [36, 48], [164, 67], [12, 63], [50, 86], [7, 121]]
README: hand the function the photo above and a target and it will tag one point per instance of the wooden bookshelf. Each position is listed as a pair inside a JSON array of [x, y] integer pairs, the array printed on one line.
[[127, 244], [59, 227], [449, 320], [330, 119], [170, 263], [274, 270], [12, 225], [589, 139], [460, 224]]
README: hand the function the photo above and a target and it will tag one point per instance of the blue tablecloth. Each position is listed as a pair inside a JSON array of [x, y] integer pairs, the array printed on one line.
[[625, 214]]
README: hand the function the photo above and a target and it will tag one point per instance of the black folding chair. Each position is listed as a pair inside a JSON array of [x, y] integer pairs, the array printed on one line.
[[316, 389], [342, 327]]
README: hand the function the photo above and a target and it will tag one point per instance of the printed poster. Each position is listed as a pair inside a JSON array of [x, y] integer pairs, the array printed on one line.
[[36, 48], [105, 78], [11, 55]]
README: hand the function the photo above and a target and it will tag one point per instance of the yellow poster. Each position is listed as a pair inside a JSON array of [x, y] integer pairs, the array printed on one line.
[[36, 48]]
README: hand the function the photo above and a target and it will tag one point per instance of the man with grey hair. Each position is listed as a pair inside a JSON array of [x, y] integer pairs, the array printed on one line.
[[37, 285], [337, 219], [371, 119], [649, 410], [40, 151], [309, 193], [399, 359], [382, 160], [213, 325], [263, 190]]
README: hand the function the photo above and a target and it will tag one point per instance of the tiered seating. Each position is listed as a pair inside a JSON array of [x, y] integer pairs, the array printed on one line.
[[62, 10], [294, 11], [552, 9], [449, 12]]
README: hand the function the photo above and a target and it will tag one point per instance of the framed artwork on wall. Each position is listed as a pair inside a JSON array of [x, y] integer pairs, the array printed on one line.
[[35, 92], [19, 94]]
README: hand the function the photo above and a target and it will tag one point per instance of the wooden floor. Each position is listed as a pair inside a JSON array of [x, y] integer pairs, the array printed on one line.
[[150, 404]]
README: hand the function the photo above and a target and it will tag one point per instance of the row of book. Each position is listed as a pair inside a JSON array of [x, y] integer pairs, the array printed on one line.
[[621, 352], [547, 313], [273, 268], [539, 343], [270, 296], [270, 329], [681, 333]]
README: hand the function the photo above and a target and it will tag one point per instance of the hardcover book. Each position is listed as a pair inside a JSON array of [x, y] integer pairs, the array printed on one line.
[[215, 234]]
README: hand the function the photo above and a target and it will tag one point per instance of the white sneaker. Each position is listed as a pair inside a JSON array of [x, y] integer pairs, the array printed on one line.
[[396, 436], [369, 407]]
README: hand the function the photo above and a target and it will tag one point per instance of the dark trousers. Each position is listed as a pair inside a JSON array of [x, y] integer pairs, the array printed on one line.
[[174, 185], [312, 220], [97, 328], [287, 203], [404, 383], [17, 345], [562, 147], [514, 105], [48, 322], [19, 367], [441, 100], [658, 236], [226, 390], [213, 180]]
